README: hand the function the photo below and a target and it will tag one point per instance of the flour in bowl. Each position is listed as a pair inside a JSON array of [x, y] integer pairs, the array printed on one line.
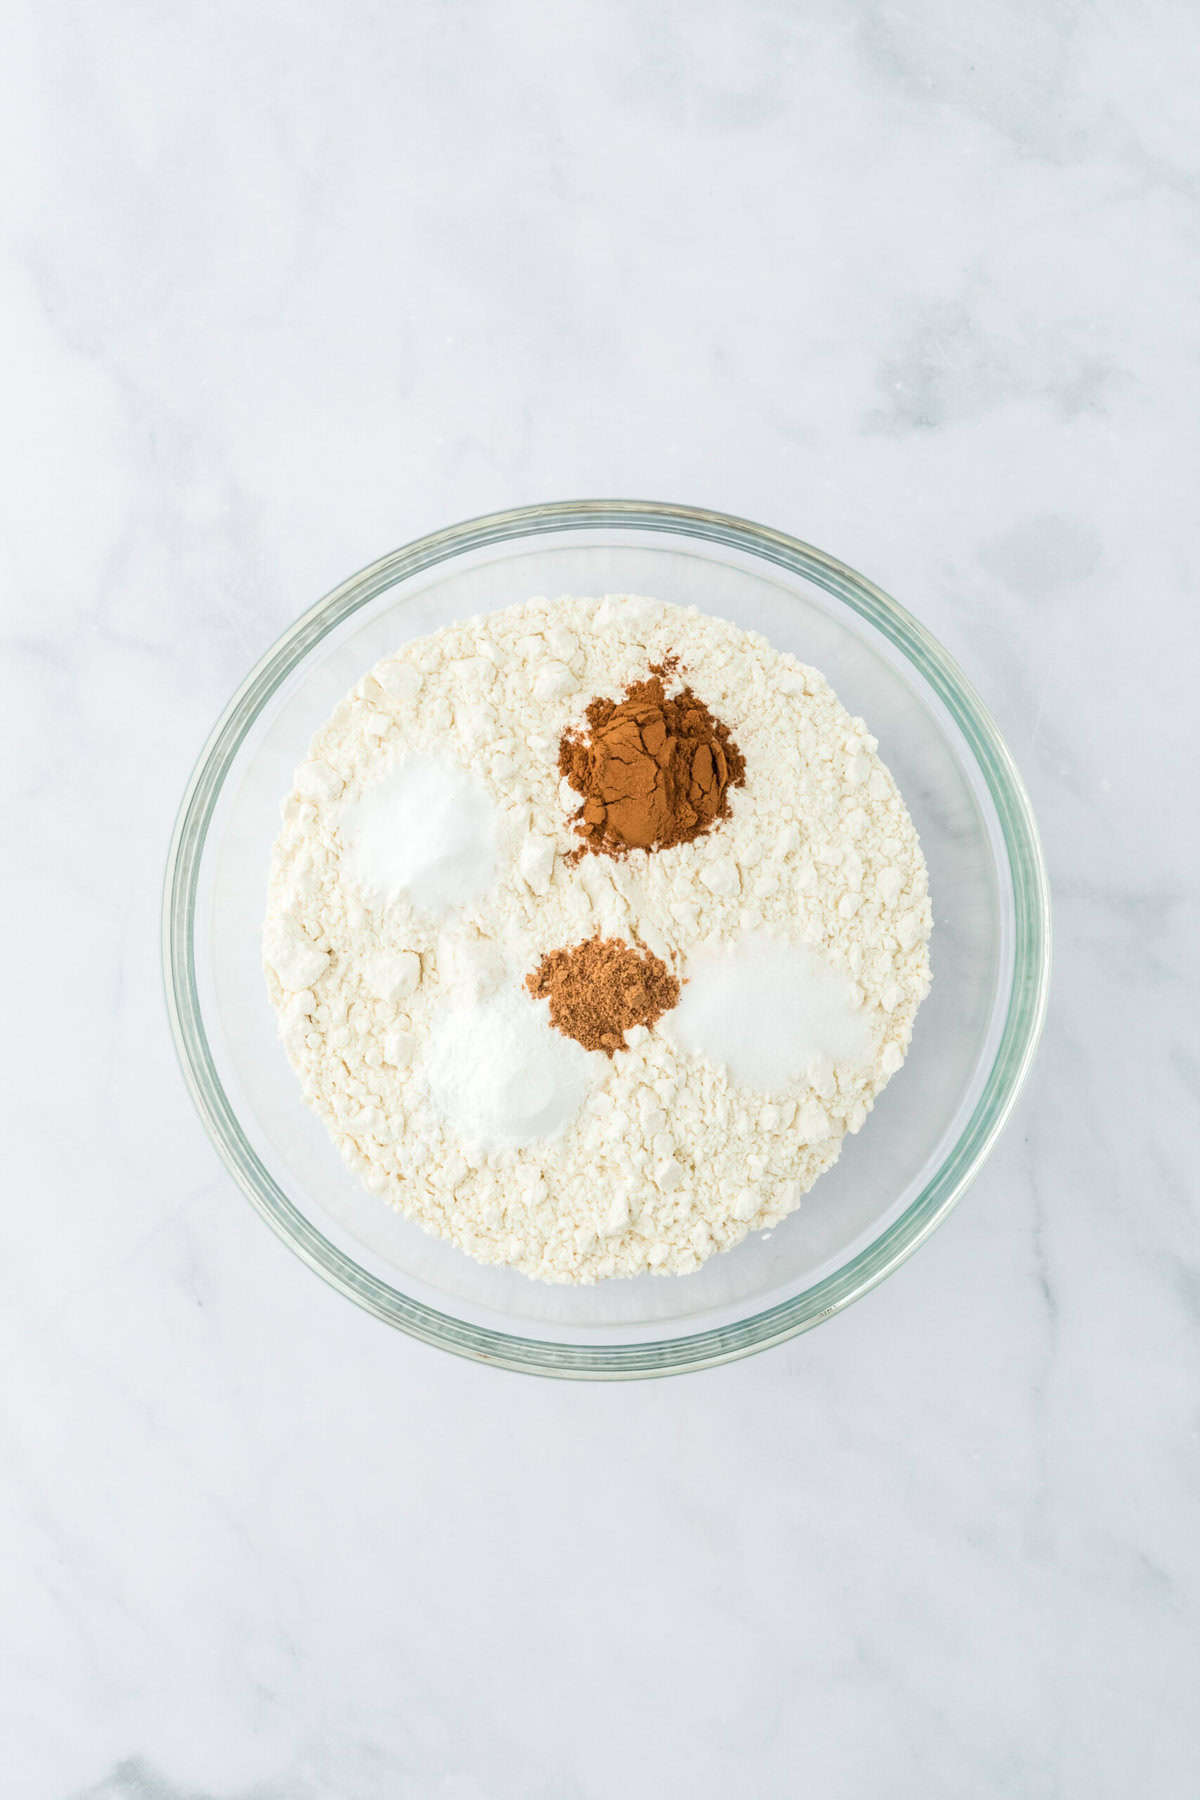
[[593, 926]]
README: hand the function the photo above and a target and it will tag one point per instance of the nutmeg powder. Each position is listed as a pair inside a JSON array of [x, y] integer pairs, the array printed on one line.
[[653, 769], [600, 988]]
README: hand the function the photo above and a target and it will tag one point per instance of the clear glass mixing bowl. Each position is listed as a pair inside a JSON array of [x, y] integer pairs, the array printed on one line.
[[931, 1128]]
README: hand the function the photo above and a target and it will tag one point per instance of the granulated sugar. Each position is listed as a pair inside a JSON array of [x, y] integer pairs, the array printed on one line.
[[400, 937], [768, 1009]]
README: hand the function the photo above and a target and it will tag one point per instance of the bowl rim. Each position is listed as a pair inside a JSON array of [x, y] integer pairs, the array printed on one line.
[[1011, 1063]]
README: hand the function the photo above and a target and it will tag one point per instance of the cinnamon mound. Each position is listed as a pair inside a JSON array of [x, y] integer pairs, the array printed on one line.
[[653, 770], [598, 989]]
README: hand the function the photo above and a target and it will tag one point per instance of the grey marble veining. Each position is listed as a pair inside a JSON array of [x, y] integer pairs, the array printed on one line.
[[282, 288]]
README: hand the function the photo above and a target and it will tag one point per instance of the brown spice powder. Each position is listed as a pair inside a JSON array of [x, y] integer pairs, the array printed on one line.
[[653, 770], [598, 989]]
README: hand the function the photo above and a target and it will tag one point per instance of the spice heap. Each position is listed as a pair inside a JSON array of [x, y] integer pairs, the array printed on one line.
[[654, 769], [601, 988]]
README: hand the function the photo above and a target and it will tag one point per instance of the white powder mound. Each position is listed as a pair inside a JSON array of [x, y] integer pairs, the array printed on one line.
[[427, 830], [500, 1075], [768, 1009], [397, 975]]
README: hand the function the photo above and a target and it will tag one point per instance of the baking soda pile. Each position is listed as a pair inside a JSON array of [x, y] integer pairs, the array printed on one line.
[[593, 926]]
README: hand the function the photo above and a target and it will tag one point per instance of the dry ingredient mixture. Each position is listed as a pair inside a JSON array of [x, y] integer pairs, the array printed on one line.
[[592, 1065]]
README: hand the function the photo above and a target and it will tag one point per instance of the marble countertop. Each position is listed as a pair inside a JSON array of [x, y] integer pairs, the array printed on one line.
[[283, 287]]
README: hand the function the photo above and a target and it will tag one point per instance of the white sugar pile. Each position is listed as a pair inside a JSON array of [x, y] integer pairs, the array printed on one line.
[[767, 1010]]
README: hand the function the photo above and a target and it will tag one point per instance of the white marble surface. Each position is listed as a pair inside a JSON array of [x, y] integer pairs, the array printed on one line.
[[284, 286]]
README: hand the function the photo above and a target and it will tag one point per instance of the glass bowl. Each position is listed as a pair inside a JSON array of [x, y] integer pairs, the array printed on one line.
[[930, 1130]]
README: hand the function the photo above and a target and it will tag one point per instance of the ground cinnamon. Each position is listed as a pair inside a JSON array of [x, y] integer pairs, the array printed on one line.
[[653, 769], [601, 988]]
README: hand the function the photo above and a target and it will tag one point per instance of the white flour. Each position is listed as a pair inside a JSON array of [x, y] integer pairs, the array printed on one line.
[[658, 1157]]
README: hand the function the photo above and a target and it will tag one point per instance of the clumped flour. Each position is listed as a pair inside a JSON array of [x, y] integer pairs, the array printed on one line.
[[743, 960]]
